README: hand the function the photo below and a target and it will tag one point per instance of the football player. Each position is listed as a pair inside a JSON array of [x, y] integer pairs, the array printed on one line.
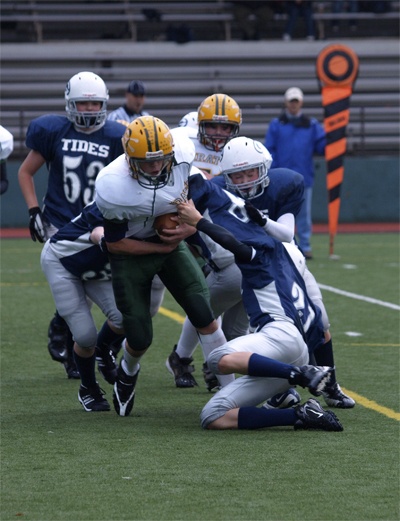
[[286, 325], [77, 269], [278, 194], [130, 193], [218, 120], [74, 148]]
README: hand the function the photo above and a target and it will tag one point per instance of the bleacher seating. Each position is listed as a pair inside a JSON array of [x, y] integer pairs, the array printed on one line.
[[179, 77], [46, 20]]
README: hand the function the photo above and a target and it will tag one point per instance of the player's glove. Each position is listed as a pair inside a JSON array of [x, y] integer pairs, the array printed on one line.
[[255, 214], [36, 226]]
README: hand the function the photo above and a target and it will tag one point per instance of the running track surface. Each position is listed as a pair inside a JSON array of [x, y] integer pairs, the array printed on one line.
[[23, 233]]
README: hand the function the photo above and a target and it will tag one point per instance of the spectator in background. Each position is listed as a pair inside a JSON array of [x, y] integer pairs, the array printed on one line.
[[252, 17], [295, 9], [339, 6], [292, 140], [6, 147], [135, 97]]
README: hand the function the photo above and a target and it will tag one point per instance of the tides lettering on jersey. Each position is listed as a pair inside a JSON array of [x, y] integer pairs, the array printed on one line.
[[87, 147]]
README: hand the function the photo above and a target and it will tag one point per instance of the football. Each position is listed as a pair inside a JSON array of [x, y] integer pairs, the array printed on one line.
[[164, 222]]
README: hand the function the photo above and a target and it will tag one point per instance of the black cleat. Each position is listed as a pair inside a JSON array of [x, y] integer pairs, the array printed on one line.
[[92, 399], [312, 416], [58, 341], [335, 397], [124, 391], [106, 365], [210, 379], [181, 369], [71, 369], [314, 377]]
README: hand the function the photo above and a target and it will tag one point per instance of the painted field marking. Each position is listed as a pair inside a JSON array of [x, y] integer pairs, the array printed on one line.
[[370, 404], [360, 297]]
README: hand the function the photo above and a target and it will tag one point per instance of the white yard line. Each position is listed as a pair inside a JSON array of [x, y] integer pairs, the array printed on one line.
[[360, 297]]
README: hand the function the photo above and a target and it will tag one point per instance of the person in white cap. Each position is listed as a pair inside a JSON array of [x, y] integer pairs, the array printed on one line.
[[293, 139]]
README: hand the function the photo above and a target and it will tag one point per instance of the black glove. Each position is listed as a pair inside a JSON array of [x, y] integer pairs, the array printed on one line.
[[255, 215], [36, 226]]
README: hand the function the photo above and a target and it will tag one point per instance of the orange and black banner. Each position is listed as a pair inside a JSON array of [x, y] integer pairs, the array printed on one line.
[[337, 70]]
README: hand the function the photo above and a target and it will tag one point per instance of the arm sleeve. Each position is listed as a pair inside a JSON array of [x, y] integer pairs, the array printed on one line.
[[241, 251], [282, 229]]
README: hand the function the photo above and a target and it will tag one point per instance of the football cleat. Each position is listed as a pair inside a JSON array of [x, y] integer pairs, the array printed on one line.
[[124, 391], [58, 341], [92, 399], [283, 400], [181, 369], [314, 377], [312, 416], [106, 365], [71, 369], [210, 379], [335, 397]]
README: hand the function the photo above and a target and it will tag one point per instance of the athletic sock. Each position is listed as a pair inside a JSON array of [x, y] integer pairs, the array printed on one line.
[[259, 417], [130, 364], [188, 340], [267, 367], [324, 356], [59, 321], [107, 336], [86, 368]]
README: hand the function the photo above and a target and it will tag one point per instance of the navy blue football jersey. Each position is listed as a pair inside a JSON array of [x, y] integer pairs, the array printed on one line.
[[73, 160], [76, 252], [284, 194], [273, 288]]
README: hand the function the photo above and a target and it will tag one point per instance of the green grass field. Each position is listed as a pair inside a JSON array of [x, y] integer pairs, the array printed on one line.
[[61, 463]]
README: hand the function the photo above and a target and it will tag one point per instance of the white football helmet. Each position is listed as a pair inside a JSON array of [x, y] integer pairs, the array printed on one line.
[[86, 86], [242, 153], [189, 120], [189, 124]]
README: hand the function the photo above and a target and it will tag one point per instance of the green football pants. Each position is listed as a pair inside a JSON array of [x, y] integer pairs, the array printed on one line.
[[132, 276]]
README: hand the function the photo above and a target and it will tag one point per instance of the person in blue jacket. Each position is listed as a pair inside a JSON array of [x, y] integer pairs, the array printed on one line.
[[292, 140]]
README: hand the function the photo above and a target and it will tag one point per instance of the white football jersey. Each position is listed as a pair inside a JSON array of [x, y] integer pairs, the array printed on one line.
[[207, 160], [120, 197]]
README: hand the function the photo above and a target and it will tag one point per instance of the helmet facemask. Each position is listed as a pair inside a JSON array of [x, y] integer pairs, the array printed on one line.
[[216, 141], [146, 180], [86, 120], [252, 188]]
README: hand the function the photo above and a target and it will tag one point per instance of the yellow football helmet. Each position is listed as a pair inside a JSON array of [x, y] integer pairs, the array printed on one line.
[[218, 109], [148, 140]]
